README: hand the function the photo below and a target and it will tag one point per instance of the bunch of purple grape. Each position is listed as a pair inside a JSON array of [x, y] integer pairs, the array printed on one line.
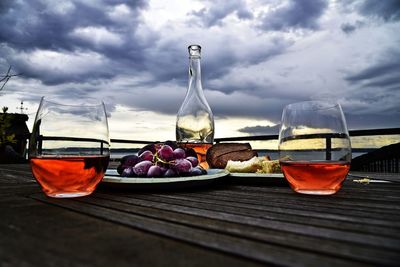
[[161, 160]]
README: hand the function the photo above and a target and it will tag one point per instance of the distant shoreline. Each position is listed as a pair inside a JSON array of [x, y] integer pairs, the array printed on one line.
[[118, 153]]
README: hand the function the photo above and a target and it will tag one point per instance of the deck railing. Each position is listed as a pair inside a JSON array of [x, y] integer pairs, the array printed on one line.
[[387, 161], [352, 133]]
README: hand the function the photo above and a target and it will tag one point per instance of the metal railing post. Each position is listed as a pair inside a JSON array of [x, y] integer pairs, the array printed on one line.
[[328, 148]]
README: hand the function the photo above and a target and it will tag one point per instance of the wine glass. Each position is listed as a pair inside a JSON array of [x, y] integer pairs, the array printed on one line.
[[69, 147], [314, 147]]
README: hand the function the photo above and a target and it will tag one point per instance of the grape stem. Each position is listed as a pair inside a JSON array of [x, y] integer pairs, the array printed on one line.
[[157, 159]]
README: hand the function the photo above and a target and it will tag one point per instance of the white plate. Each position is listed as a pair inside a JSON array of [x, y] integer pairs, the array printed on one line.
[[258, 178], [259, 175], [112, 178]]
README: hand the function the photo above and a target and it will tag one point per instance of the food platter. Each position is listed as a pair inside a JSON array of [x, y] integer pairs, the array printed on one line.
[[112, 178]]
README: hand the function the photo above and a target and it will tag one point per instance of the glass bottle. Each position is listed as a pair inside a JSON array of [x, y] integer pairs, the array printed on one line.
[[195, 120]]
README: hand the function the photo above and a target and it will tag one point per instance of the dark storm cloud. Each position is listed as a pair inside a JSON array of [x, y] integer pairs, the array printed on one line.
[[259, 130], [42, 28], [215, 12], [216, 67], [348, 28], [388, 10], [296, 14], [4, 5], [81, 49], [67, 34], [372, 121], [390, 81], [377, 70], [240, 105], [36, 25], [384, 73], [64, 73], [168, 62]]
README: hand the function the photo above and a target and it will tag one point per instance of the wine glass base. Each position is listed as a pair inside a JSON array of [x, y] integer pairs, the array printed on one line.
[[316, 192], [69, 195]]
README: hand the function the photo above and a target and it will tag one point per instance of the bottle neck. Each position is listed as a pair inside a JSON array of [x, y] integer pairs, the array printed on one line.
[[195, 75]]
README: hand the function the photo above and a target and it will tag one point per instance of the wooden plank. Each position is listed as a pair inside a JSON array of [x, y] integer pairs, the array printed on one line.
[[15, 173], [370, 192], [351, 192], [324, 219], [303, 207], [269, 220], [340, 197], [193, 218], [250, 249], [13, 189], [16, 167], [309, 217], [296, 209], [311, 201], [232, 224], [37, 234]]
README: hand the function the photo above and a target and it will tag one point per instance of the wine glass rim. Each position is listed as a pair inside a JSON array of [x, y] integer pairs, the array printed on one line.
[[312, 104], [80, 104]]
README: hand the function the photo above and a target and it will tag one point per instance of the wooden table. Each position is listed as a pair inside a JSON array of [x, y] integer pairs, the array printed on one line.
[[226, 225]]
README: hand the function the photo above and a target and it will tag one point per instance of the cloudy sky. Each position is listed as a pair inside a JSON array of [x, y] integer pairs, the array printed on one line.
[[257, 56]]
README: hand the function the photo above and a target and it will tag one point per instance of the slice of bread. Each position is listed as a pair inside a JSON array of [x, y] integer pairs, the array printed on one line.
[[254, 165], [219, 154], [251, 165]]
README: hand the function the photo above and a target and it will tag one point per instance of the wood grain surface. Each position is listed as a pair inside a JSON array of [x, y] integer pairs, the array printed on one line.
[[230, 224]]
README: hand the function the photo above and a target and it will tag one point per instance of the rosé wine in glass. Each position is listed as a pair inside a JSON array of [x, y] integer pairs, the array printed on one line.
[[69, 148], [314, 147]]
